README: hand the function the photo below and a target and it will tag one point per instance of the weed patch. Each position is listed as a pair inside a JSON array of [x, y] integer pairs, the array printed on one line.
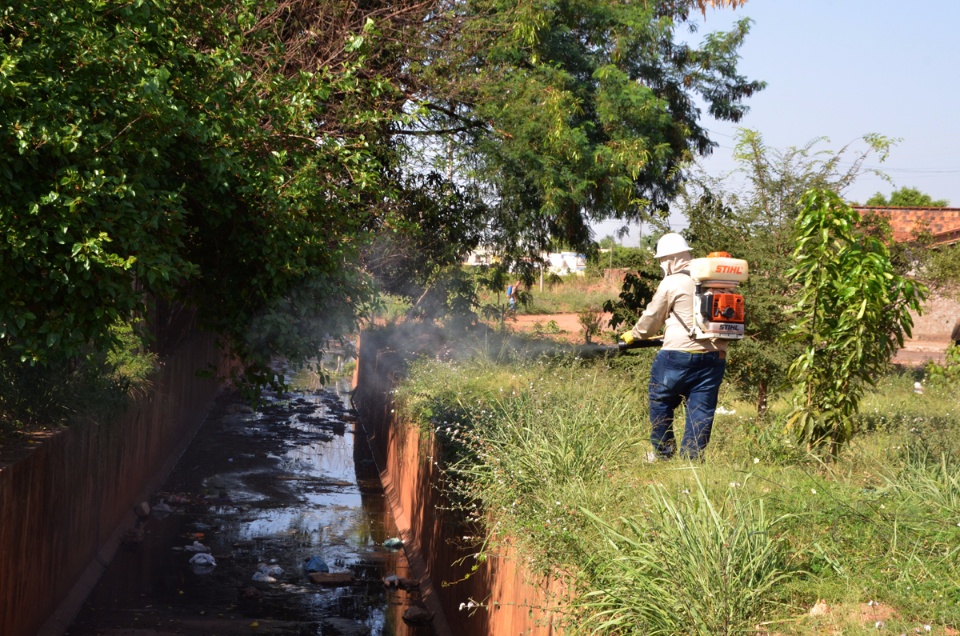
[[551, 453], [688, 566]]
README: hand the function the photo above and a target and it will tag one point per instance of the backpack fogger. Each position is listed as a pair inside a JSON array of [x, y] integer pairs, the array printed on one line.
[[718, 308]]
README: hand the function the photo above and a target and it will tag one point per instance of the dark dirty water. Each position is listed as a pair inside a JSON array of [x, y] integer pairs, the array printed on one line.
[[271, 487]]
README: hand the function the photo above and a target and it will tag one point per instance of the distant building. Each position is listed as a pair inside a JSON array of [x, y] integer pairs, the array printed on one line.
[[481, 256], [564, 263], [942, 223], [560, 263]]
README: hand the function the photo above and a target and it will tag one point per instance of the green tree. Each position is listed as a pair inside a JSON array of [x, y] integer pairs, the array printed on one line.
[[236, 156], [179, 151], [851, 314], [566, 113], [906, 198], [607, 242], [554, 115], [939, 267], [757, 224]]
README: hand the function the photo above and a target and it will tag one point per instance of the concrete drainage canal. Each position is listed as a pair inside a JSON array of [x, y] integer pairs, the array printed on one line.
[[288, 505]]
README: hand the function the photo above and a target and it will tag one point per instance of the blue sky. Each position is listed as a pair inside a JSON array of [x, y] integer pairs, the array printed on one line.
[[843, 68]]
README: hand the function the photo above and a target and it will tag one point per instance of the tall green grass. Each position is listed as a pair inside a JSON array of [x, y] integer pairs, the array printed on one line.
[[551, 452], [570, 294], [690, 566]]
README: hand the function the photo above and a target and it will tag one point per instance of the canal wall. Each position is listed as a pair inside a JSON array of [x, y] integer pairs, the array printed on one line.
[[509, 599], [65, 505]]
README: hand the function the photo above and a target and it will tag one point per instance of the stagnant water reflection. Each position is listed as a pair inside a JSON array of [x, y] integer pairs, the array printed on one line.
[[271, 487]]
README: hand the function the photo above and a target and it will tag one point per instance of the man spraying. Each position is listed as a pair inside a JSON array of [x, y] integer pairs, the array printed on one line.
[[699, 318]]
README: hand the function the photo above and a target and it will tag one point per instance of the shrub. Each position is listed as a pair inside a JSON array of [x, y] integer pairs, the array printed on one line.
[[590, 320], [947, 373]]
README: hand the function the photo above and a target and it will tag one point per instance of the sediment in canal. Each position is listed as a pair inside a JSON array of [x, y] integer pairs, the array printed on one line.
[[508, 598]]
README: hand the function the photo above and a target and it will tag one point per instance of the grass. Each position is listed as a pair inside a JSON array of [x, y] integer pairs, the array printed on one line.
[[572, 294], [552, 453], [702, 569]]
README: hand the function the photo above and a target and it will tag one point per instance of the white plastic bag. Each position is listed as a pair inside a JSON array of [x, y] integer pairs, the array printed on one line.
[[203, 558], [197, 547]]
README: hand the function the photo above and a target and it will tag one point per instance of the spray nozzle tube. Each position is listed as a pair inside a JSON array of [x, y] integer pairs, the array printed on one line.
[[639, 344]]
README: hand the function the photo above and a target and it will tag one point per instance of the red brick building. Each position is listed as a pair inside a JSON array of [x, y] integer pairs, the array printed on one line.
[[943, 223]]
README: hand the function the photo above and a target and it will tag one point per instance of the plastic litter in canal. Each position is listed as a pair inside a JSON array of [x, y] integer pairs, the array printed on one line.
[[272, 522]]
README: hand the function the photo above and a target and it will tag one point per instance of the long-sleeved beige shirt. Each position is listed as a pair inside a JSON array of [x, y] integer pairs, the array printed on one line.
[[674, 297]]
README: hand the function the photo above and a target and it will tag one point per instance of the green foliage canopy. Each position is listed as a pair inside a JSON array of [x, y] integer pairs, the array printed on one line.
[[570, 112], [228, 156], [943, 268], [907, 198], [147, 153]]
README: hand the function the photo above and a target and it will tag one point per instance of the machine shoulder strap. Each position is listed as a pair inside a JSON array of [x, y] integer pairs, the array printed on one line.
[[691, 331]]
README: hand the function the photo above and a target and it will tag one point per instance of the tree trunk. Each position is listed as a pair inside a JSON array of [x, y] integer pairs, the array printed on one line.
[[761, 398]]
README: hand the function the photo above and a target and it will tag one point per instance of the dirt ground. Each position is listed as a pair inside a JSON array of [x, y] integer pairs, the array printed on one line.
[[931, 330], [568, 325]]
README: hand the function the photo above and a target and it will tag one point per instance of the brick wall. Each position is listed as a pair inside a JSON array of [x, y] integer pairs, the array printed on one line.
[[64, 506], [514, 600], [943, 223]]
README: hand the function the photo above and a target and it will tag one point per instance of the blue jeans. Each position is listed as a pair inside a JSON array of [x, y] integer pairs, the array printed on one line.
[[676, 376]]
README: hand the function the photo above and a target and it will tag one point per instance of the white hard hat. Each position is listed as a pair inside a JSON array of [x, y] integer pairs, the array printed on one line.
[[670, 244]]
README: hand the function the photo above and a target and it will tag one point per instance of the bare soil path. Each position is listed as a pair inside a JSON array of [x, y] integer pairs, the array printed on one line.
[[568, 327]]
